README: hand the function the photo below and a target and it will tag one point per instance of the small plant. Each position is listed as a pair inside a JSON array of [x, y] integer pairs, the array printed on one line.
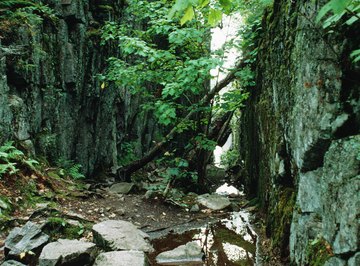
[[70, 168], [58, 227], [334, 11], [318, 252], [230, 158], [11, 157]]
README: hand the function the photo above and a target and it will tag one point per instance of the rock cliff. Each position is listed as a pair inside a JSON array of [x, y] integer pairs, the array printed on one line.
[[50, 98], [299, 136]]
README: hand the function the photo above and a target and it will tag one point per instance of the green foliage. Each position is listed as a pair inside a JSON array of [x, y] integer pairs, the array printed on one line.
[[230, 158], [318, 252], [27, 13], [334, 11], [165, 63], [204, 143], [11, 157], [128, 154], [70, 168], [58, 227], [210, 11], [11, 4]]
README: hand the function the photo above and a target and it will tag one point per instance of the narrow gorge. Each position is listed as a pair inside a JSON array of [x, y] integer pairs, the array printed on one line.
[[295, 125]]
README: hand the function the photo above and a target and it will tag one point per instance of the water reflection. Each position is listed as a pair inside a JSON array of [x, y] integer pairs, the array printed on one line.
[[230, 242]]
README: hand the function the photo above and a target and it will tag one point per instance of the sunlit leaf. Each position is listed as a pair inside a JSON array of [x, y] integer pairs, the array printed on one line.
[[215, 17], [189, 14]]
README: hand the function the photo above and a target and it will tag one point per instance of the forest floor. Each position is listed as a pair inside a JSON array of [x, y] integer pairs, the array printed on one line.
[[67, 202]]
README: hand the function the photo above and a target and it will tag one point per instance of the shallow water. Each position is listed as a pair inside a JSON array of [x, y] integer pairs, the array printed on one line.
[[229, 241]]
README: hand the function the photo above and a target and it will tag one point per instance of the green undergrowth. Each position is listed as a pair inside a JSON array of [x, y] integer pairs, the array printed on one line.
[[25, 14], [58, 227], [27, 183], [318, 252]]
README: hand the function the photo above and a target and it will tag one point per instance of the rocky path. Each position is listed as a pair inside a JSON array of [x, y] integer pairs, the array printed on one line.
[[116, 226]]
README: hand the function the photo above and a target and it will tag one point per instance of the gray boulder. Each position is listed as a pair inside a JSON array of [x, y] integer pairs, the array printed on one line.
[[115, 235], [28, 240], [121, 188], [68, 252], [213, 201], [189, 253], [122, 258]]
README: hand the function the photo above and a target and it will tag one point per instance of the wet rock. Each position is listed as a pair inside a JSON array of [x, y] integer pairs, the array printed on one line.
[[12, 263], [25, 239], [122, 258], [213, 201], [67, 252], [115, 235], [191, 252], [355, 260], [121, 188]]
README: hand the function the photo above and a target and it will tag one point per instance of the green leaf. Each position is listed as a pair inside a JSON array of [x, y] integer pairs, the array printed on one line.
[[352, 20], [355, 55], [204, 3], [189, 14], [339, 6], [323, 11], [215, 17], [226, 5]]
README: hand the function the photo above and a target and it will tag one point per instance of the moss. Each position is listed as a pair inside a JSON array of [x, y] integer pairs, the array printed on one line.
[[318, 252], [58, 227], [280, 220]]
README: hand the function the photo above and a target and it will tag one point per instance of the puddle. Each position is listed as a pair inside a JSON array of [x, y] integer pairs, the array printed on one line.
[[230, 241]]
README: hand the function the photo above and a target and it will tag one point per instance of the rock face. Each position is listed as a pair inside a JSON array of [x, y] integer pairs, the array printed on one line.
[[122, 258], [67, 252], [50, 98], [115, 235], [189, 253], [332, 206], [25, 239], [213, 201], [299, 132]]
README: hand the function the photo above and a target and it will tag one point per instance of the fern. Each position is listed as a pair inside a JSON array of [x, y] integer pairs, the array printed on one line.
[[75, 173], [69, 168], [8, 168], [10, 4], [31, 163], [10, 157]]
